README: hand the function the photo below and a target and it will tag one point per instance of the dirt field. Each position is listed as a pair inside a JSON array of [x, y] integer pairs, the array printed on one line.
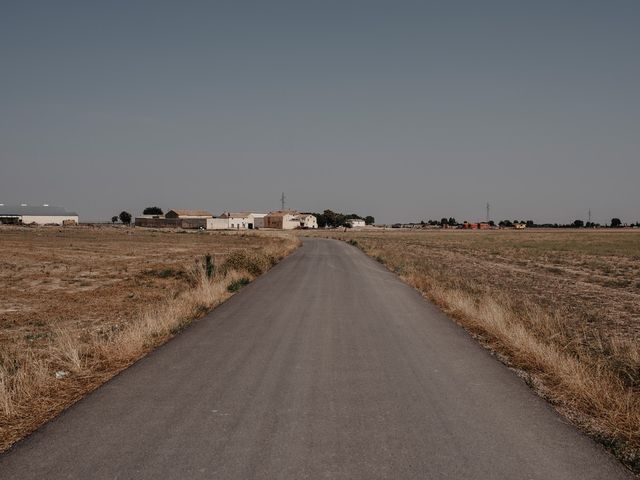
[[79, 304], [560, 306]]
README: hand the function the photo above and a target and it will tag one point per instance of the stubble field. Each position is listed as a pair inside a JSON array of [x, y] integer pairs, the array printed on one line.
[[561, 307], [82, 303]]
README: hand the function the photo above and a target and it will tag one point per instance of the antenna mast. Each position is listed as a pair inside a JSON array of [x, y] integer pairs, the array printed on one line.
[[283, 199]]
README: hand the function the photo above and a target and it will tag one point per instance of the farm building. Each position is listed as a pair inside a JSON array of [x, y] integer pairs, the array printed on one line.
[[289, 220], [308, 220], [476, 226], [238, 220], [217, 223], [188, 214], [258, 220], [282, 220], [176, 219], [356, 222], [36, 215]]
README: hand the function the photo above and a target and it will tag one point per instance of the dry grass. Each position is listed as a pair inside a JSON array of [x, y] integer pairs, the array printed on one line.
[[57, 344], [561, 307]]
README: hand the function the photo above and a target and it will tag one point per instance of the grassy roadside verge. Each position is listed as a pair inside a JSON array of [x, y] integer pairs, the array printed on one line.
[[36, 384], [587, 366]]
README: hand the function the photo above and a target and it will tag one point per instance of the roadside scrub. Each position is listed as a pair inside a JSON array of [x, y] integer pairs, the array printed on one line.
[[37, 384], [591, 376]]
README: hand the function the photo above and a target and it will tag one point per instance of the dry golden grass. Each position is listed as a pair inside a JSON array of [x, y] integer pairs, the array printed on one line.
[[561, 307], [57, 344]]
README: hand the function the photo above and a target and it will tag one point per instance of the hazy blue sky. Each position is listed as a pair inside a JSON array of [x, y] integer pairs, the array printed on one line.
[[405, 110]]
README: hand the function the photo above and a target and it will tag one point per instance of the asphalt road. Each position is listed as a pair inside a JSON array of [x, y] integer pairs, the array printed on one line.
[[326, 367]]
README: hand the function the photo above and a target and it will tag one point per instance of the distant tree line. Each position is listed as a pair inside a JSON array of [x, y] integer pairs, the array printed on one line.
[[452, 222], [329, 218]]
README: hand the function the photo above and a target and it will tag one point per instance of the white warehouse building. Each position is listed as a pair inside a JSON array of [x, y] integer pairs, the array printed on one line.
[[36, 215], [236, 221]]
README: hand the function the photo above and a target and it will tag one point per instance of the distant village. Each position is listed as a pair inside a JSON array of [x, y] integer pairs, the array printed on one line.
[[154, 217], [204, 220]]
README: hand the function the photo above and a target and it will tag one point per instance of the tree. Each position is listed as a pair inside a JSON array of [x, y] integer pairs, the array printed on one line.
[[114, 219], [125, 217], [369, 220], [615, 222], [152, 211], [452, 222], [577, 224], [444, 221]]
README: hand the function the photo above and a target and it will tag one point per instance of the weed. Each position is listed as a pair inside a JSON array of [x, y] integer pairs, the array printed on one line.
[[237, 284]]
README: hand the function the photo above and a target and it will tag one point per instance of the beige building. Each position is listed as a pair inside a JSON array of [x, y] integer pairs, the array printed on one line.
[[282, 220]]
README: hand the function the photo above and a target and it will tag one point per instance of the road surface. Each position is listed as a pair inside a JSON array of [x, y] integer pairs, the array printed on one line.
[[326, 367]]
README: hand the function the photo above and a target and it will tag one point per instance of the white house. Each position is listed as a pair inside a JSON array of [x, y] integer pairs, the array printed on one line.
[[39, 215], [356, 222], [307, 220], [238, 220]]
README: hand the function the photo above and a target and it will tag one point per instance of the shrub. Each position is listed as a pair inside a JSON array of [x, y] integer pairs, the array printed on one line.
[[254, 263], [238, 284]]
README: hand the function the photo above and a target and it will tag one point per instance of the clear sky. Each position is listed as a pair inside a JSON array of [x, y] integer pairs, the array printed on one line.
[[405, 110]]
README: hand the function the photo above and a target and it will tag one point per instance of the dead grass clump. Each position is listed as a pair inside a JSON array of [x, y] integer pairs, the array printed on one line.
[[254, 262]]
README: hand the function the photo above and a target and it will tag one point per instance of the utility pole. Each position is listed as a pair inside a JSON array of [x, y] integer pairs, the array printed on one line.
[[283, 199], [589, 215], [488, 213]]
